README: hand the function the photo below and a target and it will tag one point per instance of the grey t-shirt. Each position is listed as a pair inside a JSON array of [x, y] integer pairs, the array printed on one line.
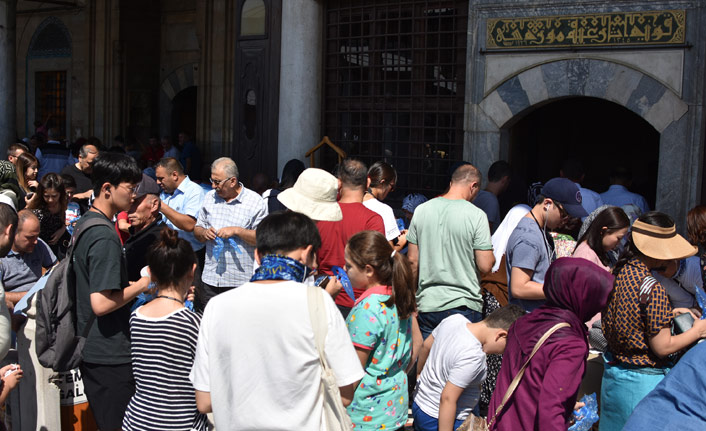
[[527, 248], [488, 202], [21, 271]]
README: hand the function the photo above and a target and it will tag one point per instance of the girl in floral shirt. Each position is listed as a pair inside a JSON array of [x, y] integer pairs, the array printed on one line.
[[381, 327]]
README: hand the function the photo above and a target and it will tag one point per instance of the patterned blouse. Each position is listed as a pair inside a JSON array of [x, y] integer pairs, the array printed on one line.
[[49, 223], [624, 326], [380, 401]]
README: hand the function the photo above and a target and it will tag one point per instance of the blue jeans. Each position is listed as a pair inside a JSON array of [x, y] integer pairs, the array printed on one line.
[[429, 321], [424, 422]]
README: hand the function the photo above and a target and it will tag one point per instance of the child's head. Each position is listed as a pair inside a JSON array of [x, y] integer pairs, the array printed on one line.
[[498, 322], [69, 185], [283, 232], [172, 261], [370, 261]]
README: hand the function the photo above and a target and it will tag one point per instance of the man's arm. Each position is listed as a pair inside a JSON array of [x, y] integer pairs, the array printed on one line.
[[485, 259], [181, 221], [84, 195], [424, 354], [447, 407], [13, 298], [522, 286], [247, 235], [413, 256], [202, 234], [203, 402], [107, 301]]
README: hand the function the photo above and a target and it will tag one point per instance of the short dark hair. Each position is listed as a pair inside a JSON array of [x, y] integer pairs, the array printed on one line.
[[503, 317], [171, 165], [498, 171], [8, 216], [68, 180], [620, 175], [114, 168], [353, 172], [14, 147], [573, 169], [170, 257], [284, 231]]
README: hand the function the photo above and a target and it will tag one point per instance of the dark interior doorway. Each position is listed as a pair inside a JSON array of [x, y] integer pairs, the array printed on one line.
[[601, 134], [184, 113]]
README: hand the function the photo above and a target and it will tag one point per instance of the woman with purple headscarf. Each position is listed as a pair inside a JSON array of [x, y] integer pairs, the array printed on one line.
[[576, 290]]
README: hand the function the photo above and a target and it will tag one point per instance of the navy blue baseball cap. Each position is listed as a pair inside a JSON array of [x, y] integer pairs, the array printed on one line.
[[567, 193]]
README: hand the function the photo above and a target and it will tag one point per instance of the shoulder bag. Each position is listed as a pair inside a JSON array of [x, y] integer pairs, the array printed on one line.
[[335, 416], [477, 423]]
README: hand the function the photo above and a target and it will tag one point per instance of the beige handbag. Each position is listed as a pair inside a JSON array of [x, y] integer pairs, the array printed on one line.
[[335, 416], [477, 423]]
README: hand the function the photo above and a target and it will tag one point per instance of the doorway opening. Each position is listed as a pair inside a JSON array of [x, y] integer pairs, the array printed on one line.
[[184, 113], [602, 134]]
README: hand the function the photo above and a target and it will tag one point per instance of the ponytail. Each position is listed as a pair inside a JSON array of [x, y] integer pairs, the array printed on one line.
[[392, 268], [403, 286]]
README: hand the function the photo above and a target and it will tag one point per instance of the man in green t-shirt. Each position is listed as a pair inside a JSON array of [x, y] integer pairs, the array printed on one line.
[[450, 248]]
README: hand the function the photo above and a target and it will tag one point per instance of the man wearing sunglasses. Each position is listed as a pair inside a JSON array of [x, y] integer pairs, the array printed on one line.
[[530, 248], [226, 223]]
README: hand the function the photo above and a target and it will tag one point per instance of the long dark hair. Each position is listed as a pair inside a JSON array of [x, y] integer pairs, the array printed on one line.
[[611, 218], [371, 248], [655, 218], [50, 181], [24, 161], [696, 225]]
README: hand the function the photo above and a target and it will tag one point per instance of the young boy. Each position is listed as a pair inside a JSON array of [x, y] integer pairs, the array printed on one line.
[[451, 367]]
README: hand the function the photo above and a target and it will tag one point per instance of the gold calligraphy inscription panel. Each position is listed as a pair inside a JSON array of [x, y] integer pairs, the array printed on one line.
[[605, 29]]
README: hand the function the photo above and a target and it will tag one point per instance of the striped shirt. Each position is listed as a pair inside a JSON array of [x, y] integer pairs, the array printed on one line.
[[247, 210], [163, 350]]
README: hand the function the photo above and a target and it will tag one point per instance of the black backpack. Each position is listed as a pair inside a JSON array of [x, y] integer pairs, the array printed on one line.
[[58, 345]]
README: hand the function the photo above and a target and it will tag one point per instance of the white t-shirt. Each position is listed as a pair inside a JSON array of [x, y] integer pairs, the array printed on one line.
[[257, 357], [392, 231], [457, 357]]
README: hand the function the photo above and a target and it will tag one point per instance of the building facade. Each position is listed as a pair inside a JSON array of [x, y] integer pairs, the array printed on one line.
[[421, 84]]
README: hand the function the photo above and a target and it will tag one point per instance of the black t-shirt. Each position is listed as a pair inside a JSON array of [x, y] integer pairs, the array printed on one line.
[[99, 265], [83, 181], [137, 246]]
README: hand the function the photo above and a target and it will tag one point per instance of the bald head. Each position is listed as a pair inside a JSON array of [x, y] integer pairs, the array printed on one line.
[[27, 232], [466, 174]]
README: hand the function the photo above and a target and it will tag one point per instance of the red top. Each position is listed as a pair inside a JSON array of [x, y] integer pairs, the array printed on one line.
[[335, 235], [123, 235]]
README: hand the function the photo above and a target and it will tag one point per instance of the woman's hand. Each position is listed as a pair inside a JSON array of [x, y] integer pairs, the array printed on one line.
[[56, 236], [678, 311], [33, 184]]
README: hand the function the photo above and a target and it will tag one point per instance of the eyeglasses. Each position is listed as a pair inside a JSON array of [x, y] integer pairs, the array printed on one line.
[[562, 211], [131, 190], [217, 183]]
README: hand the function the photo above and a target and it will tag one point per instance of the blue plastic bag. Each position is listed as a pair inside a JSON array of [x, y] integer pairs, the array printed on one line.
[[345, 281], [221, 246], [701, 300], [587, 415]]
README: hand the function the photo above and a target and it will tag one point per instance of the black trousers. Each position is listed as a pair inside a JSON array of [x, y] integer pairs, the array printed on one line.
[[108, 389]]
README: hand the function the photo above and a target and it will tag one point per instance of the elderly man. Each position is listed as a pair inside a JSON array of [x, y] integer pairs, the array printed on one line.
[[230, 213], [23, 265], [145, 225], [449, 248], [81, 173]]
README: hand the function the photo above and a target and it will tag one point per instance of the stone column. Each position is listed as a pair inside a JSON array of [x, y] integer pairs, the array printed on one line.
[[300, 82], [8, 106]]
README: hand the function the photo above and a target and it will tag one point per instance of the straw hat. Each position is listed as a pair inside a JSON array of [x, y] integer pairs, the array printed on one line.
[[314, 194], [662, 243]]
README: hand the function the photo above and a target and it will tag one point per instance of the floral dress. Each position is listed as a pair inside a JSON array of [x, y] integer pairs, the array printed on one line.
[[380, 401]]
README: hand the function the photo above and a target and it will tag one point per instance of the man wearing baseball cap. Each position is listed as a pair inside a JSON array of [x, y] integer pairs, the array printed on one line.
[[145, 225], [530, 248]]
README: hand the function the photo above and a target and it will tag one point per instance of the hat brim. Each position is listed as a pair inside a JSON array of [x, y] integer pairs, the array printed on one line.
[[575, 210], [315, 209], [675, 247]]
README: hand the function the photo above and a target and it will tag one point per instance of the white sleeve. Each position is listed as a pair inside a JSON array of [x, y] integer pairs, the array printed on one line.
[[392, 231], [339, 349], [199, 375]]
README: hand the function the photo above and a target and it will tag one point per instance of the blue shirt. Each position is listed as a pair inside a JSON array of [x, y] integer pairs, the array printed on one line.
[[21, 271], [619, 195], [186, 199], [590, 200], [52, 158], [247, 210]]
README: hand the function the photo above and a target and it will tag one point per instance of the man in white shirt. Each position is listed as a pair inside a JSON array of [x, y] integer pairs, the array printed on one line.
[[256, 364]]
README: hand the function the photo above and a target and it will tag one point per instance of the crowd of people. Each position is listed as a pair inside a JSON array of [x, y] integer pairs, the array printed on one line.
[[313, 304]]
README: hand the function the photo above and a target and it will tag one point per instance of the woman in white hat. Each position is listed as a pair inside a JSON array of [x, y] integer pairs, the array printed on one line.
[[637, 321]]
